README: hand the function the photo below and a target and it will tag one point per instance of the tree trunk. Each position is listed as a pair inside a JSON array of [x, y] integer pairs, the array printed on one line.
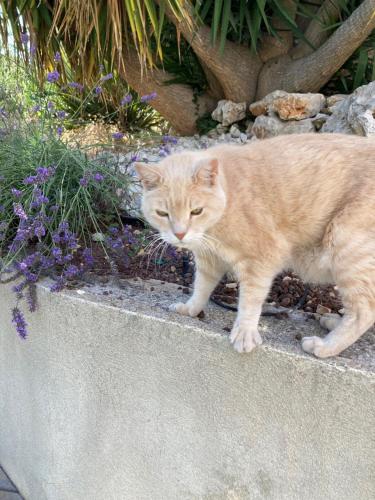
[[175, 102], [240, 75]]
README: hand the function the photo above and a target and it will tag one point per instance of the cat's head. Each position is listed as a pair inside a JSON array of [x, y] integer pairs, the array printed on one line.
[[182, 196]]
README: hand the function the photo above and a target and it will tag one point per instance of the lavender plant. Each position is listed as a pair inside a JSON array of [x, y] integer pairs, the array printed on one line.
[[54, 196]]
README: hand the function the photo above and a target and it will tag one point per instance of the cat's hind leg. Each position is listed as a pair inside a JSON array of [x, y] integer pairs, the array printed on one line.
[[330, 321], [353, 265], [352, 326]]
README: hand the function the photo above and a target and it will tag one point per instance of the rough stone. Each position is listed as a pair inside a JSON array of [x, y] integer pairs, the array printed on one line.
[[228, 112], [289, 106], [322, 309], [319, 120], [271, 126], [234, 131], [355, 114], [334, 99]]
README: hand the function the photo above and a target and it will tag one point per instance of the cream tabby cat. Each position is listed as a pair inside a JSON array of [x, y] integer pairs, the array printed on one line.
[[302, 202]]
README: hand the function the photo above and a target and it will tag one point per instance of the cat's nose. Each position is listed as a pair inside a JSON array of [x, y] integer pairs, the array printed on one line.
[[179, 235]]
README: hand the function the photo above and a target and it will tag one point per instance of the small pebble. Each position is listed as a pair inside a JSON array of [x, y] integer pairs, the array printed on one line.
[[322, 309], [231, 285]]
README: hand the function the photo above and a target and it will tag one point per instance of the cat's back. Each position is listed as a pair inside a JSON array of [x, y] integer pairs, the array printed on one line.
[[289, 158]]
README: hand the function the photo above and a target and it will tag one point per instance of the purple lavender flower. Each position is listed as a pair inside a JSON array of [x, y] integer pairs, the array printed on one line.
[[134, 158], [71, 271], [63, 226], [19, 321], [36, 108], [148, 97], [53, 76], [169, 139], [18, 289], [31, 277], [76, 85], [88, 257], [117, 135], [31, 297], [98, 177], [57, 253], [40, 231], [46, 262], [106, 77], [97, 90], [59, 131], [61, 115], [55, 208], [58, 285], [50, 105], [57, 57], [83, 181], [44, 173], [24, 38], [126, 100], [32, 51], [16, 193], [19, 211]]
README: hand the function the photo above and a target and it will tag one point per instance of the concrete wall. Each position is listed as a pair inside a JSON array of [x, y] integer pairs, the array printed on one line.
[[101, 403]]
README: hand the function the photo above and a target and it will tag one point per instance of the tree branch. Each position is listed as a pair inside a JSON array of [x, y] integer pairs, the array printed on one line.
[[171, 99], [273, 46], [236, 68], [328, 13], [311, 72]]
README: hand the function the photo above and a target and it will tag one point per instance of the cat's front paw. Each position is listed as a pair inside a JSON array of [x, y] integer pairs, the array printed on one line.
[[187, 309], [316, 346], [244, 337]]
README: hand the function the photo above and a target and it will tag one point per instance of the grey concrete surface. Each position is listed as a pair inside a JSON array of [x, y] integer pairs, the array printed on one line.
[[114, 398]]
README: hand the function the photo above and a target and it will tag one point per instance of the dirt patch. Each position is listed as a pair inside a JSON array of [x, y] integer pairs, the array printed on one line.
[[177, 267]]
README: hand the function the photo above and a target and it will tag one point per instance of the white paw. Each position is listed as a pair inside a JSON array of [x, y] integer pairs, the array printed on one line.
[[316, 346], [185, 309], [244, 337]]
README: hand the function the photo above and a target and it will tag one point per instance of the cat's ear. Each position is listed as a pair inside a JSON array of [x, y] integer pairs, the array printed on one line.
[[206, 171], [148, 175]]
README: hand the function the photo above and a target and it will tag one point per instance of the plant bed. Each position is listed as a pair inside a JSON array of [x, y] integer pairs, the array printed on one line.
[[176, 266]]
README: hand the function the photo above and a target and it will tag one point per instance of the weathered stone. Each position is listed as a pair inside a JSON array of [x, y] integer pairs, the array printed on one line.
[[355, 114], [319, 120], [334, 99], [249, 129], [234, 131], [322, 309], [228, 112], [289, 106], [271, 126], [243, 137], [221, 129]]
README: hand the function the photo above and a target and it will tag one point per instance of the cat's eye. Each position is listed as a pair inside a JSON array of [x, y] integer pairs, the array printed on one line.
[[196, 211], [161, 213]]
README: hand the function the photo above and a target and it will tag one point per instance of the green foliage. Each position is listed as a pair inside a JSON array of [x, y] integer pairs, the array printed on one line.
[[87, 205], [206, 123], [358, 70]]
